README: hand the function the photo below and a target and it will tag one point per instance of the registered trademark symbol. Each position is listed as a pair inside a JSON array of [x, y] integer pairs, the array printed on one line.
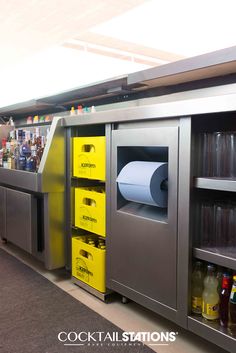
[[176, 333]]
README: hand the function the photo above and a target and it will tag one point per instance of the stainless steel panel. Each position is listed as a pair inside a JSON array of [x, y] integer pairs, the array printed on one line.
[[148, 302], [202, 66], [20, 224], [69, 198], [54, 230], [174, 108], [215, 184], [218, 259], [184, 241], [143, 251], [210, 331], [19, 179], [2, 212], [108, 201]]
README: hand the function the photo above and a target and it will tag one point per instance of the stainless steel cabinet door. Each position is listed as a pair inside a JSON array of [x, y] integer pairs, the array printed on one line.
[[20, 218], [142, 246], [2, 212]]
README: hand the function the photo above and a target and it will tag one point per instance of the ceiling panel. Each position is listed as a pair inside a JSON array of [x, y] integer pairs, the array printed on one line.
[[28, 26]]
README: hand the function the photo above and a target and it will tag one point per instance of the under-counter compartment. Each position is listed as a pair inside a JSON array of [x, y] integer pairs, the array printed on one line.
[[142, 245], [21, 225]]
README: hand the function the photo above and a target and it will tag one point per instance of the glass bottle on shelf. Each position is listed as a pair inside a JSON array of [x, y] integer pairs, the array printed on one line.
[[21, 160], [8, 158], [34, 160], [40, 147], [210, 296], [232, 307], [17, 155], [224, 299], [2, 151], [197, 287]]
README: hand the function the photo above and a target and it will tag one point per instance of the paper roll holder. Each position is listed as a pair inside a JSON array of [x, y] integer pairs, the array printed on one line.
[[164, 185]]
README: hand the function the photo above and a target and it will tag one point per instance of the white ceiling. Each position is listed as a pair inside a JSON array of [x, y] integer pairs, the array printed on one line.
[[30, 26], [48, 46]]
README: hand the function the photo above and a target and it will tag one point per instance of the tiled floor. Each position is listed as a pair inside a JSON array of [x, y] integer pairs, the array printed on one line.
[[129, 317]]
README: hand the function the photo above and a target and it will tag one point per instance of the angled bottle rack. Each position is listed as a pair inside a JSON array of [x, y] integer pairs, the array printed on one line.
[[40, 197]]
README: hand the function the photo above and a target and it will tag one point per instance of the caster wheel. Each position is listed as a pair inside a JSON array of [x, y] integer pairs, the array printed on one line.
[[124, 300]]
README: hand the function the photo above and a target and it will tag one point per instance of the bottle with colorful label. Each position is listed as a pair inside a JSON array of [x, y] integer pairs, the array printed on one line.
[[197, 287], [224, 299], [232, 307], [210, 296]]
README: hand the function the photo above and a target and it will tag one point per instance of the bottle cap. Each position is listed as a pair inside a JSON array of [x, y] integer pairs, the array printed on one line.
[[198, 263], [211, 267]]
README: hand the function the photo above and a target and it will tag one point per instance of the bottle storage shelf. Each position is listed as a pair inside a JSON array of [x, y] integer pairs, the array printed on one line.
[[218, 259], [43, 123], [213, 222], [221, 184], [89, 211], [213, 332]]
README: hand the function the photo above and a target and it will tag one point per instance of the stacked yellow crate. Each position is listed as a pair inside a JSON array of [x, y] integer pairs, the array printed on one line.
[[89, 161]]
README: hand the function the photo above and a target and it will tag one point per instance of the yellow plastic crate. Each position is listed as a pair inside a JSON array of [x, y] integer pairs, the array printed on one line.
[[90, 209], [88, 264], [89, 157]]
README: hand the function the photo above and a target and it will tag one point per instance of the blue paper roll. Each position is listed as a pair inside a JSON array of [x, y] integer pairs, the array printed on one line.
[[141, 182]]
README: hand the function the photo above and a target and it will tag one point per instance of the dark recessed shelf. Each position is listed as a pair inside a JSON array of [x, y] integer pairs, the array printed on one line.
[[218, 259], [221, 184], [212, 331]]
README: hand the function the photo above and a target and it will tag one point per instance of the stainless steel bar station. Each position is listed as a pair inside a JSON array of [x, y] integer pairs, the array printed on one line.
[[134, 194]]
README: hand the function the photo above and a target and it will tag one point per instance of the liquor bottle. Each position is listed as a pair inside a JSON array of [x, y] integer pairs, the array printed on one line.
[[25, 149], [33, 161], [40, 148], [8, 155], [1, 157], [219, 276], [29, 120], [17, 155], [210, 296], [2, 151], [47, 118], [36, 119], [224, 299], [232, 307], [21, 160], [80, 109], [197, 287], [72, 111]]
